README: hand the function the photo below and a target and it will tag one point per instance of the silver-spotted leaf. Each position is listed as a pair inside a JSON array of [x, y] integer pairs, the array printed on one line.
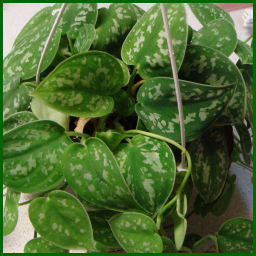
[[61, 219], [218, 34], [210, 160], [18, 119], [10, 211], [83, 85], [101, 229], [40, 245], [76, 16], [151, 177], [206, 12], [93, 173], [244, 52], [15, 96], [44, 112], [114, 24], [31, 156], [86, 36], [236, 235], [23, 60], [136, 233], [146, 44], [208, 66], [202, 104]]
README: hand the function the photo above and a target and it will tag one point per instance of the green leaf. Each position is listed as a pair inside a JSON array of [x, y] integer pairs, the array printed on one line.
[[24, 149], [223, 202], [86, 36], [206, 12], [124, 103], [179, 221], [40, 245], [101, 229], [210, 160], [93, 173], [218, 34], [24, 58], [83, 85], [44, 112], [18, 119], [114, 24], [61, 219], [77, 15], [15, 96], [10, 211], [146, 44], [136, 233], [202, 104], [151, 177], [168, 244], [236, 235], [244, 52], [208, 66]]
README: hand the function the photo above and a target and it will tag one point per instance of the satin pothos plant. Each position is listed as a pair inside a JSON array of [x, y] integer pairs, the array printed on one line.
[[98, 139]]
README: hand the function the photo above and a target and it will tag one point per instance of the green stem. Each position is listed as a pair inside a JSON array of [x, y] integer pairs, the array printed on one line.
[[186, 249], [132, 77], [248, 39], [179, 191], [204, 240]]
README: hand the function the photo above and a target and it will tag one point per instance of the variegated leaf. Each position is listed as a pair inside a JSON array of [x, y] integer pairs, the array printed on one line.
[[202, 104], [218, 34], [18, 119], [151, 177], [93, 173], [40, 245], [136, 233], [83, 85], [15, 96], [86, 36], [208, 66], [32, 154], [210, 163], [61, 219], [168, 244], [206, 12], [146, 45], [244, 52], [114, 24], [43, 112], [236, 235], [10, 211]]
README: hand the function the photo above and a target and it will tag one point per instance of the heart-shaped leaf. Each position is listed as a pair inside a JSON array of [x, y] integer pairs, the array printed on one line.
[[101, 229], [210, 163], [10, 211], [114, 24], [151, 177], [75, 16], [208, 66], [93, 173], [244, 52], [44, 112], [206, 12], [168, 244], [236, 235], [124, 103], [136, 233], [86, 36], [32, 154], [40, 245], [146, 45], [18, 119], [15, 96], [218, 34], [83, 85], [61, 219], [202, 104]]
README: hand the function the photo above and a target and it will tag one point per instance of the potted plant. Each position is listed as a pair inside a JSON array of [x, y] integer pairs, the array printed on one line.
[[91, 125]]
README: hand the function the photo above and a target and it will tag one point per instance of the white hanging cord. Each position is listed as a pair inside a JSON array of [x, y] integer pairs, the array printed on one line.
[[54, 27], [176, 82]]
